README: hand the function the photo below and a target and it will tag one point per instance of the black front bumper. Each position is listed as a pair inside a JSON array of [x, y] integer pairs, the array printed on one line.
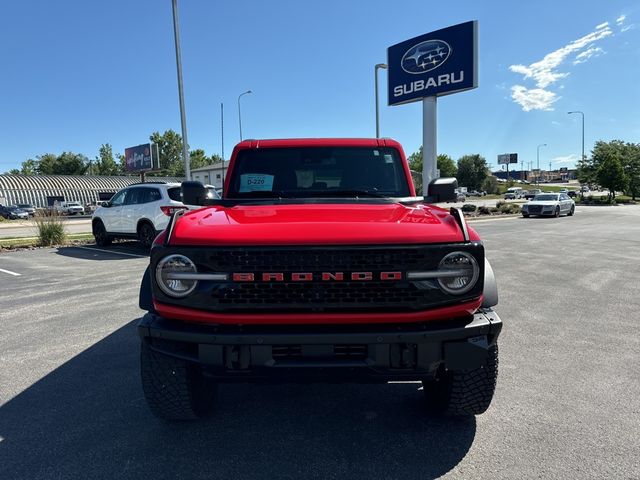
[[369, 353]]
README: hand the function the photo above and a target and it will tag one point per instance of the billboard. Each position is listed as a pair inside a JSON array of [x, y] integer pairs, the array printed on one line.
[[434, 64], [142, 158], [506, 158]]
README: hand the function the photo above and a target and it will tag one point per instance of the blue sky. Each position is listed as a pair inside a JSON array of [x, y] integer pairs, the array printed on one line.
[[76, 74]]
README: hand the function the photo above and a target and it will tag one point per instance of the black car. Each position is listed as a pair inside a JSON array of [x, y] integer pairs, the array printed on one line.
[[12, 212]]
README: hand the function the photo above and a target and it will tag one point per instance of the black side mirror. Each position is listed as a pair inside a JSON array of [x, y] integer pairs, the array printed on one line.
[[193, 193], [106, 204], [443, 189]]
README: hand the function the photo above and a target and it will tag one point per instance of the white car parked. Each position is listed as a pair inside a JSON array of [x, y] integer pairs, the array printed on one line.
[[68, 208], [139, 211], [552, 204]]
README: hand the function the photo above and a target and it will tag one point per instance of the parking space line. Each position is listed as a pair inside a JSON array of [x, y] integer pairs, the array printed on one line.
[[111, 251], [10, 272]]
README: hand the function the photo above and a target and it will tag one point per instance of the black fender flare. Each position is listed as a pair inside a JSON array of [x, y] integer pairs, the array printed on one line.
[[490, 292], [145, 301]]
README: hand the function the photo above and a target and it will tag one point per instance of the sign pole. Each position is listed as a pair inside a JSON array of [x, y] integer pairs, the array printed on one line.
[[429, 141]]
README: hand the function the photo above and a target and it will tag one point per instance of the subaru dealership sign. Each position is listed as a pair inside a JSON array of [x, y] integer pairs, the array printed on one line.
[[142, 158], [434, 64]]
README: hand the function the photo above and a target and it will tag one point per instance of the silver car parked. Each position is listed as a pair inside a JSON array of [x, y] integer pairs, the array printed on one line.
[[551, 204]]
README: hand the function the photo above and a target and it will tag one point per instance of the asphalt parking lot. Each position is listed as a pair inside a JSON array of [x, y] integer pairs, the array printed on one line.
[[567, 403]]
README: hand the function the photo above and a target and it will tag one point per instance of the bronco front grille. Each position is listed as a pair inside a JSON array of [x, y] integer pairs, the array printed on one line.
[[379, 293]]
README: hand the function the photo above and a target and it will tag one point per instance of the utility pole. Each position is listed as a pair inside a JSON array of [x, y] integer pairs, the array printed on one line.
[[222, 136], [378, 66], [183, 117]]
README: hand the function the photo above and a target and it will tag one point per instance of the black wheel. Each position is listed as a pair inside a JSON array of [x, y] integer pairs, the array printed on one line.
[[572, 211], [464, 393], [173, 388], [146, 234], [557, 212], [100, 234], [525, 215]]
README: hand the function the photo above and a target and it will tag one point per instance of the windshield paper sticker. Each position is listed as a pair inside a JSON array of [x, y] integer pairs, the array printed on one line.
[[256, 182]]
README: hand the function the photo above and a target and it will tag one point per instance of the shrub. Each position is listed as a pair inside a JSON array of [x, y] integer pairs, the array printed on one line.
[[484, 210], [494, 210], [469, 207], [50, 229], [509, 208], [1, 218], [500, 203]]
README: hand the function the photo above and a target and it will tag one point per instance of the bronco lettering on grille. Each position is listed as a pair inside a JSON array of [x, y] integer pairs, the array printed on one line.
[[321, 277]]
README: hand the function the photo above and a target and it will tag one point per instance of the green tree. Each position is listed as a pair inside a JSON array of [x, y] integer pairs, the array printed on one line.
[[170, 150], [445, 163], [105, 164], [631, 165], [47, 164], [490, 184], [447, 166], [70, 163], [611, 174], [472, 171]]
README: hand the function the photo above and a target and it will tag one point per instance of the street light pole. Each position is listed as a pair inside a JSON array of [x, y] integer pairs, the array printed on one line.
[[183, 117], [581, 113], [538, 158], [239, 113], [378, 66], [222, 138]]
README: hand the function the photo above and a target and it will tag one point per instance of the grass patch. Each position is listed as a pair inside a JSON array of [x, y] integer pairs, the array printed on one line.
[[25, 242]]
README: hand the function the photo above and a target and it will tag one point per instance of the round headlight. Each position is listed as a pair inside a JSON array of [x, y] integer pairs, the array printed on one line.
[[459, 273], [169, 272]]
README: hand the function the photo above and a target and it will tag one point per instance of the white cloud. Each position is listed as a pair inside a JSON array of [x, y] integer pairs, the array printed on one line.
[[545, 72], [620, 20], [565, 159], [587, 54], [533, 98]]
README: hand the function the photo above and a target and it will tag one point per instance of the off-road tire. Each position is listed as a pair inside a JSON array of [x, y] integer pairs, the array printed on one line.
[[466, 392], [146, 234], [173, 388], [100, 234], [572, 211]]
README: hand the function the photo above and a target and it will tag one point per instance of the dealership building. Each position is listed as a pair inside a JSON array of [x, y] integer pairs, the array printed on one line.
[[42, 190]]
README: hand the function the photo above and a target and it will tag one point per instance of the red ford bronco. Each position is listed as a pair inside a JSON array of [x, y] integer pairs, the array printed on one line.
[[318, 264]]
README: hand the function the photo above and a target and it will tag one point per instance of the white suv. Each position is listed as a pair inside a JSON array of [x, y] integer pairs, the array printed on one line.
[[139, 211]]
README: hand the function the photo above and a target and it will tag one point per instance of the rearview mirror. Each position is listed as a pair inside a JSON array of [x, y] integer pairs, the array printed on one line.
[[443, 189], [193, 193]]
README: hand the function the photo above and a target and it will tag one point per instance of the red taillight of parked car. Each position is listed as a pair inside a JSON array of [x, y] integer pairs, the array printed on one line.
[[169, 210]]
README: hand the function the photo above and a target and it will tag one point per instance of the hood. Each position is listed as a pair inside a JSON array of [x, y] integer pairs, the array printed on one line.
[[317, 224]]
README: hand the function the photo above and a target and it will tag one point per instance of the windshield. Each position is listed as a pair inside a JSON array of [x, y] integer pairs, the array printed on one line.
[[318, 172], [23, 205], [546, 198], [73, 204]]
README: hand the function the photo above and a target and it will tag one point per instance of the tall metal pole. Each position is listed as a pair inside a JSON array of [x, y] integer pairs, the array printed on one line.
[[538, 157], [581, 113], [429, 141], [377, 67], [240, 113], [183, 118], [222, 136]]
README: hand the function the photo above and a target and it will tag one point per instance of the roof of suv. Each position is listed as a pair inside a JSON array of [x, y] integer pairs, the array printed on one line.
[[319, 142]]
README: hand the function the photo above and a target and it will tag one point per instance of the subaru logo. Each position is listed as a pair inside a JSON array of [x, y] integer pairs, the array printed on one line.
[[425, 56]]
